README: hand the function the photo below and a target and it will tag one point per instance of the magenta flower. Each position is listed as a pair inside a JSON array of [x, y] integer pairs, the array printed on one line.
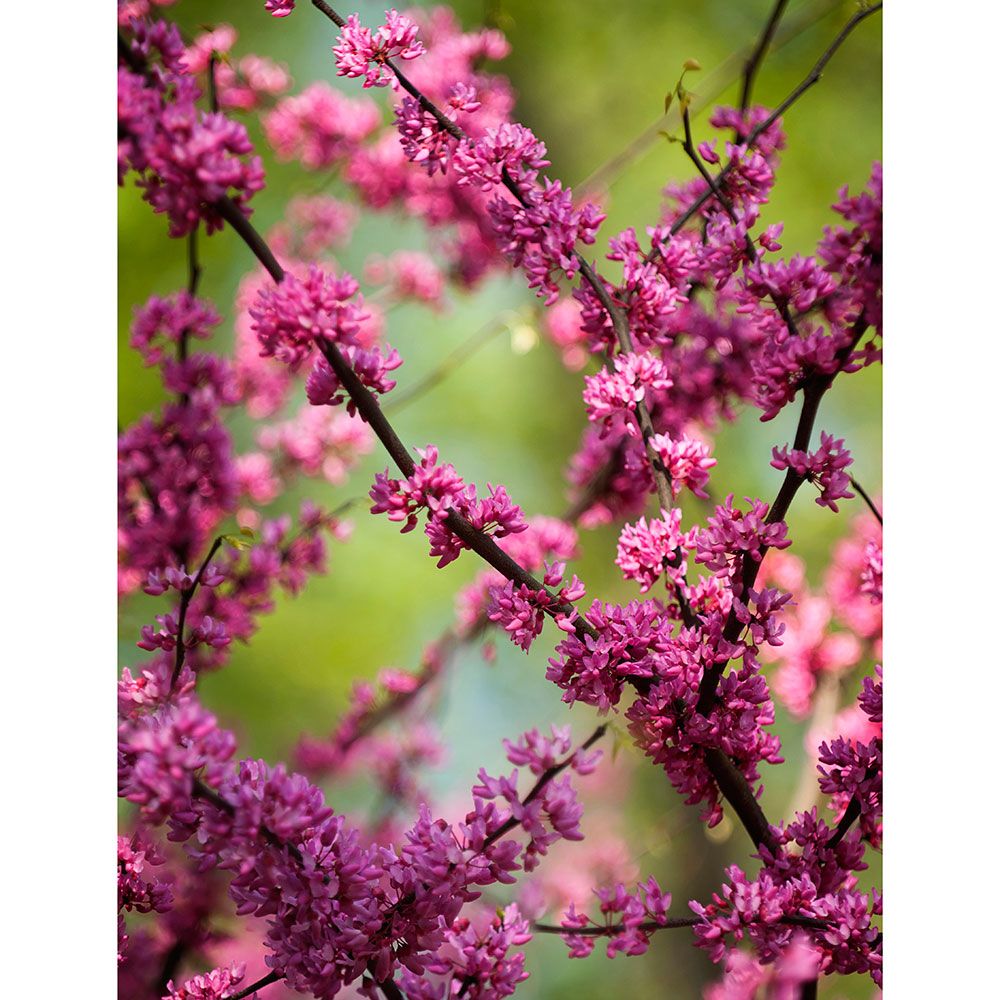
[[288, 318], [825, 467], [360, 53]]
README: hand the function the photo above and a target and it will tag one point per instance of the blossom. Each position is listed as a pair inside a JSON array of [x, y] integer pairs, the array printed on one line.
[[360, 53], [319, 127], [193, 160], [289, 317], [686, 461], [630, 642], [647, 551], [520, 610], [478, 961], [825, 467], [161, 322], [611, 397], [214, 985], [279, 8], [734, 533], [439, 490], [628, 920], [410, 275]]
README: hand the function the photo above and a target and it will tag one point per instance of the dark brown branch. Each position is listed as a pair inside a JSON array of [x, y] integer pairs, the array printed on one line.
[[213, 91], [814, 388], [757, 56], [271, 977], [737, 791], [867, 499], [186, 595]]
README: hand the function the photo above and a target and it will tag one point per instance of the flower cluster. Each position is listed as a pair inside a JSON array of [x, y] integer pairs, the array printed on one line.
[[441, 492], [478, 962], [799, 885], [628, 920], [187, 160], [648, 551], [825, 467], [611, 397], [520, 610], [361, 53]]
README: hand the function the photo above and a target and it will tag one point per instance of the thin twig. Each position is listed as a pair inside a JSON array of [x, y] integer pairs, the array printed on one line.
[[715, 83], [543, 779], [751, 250], [760, 50], [271, 977], [186, 596], [867, 499], [811, 78]]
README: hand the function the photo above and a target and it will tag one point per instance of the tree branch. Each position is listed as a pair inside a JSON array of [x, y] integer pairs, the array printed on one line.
[[757, 56]]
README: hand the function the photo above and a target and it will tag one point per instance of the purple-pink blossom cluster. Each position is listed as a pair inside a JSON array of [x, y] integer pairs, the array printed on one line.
[[360, 52], [440, 491], [628, 919], [825, 467]]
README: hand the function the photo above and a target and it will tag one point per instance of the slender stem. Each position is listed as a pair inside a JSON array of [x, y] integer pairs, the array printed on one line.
[[606, 931], [543, 779], [760, 50], [867, 499], [186, 595], [810, 990], [194, 266], [780, 304], [272, 977], [213, 92]]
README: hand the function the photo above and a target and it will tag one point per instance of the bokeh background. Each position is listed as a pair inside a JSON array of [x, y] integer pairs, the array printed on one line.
[[590, 79]]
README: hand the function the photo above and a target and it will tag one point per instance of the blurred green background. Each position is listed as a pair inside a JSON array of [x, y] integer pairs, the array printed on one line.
[[590, 79]]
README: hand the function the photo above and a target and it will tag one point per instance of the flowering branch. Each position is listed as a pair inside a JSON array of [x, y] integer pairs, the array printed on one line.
[[811, 78], [186, 594], [618, 320]]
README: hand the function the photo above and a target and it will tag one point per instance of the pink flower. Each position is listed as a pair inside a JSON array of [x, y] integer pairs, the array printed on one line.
[[288, 318], [825, 467], [214, 985], [279, 8], [359, 53], [686, 460], [647, 551], [611, 397]]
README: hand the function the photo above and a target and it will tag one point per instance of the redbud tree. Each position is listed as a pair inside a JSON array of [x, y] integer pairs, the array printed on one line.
[[240, 876]]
